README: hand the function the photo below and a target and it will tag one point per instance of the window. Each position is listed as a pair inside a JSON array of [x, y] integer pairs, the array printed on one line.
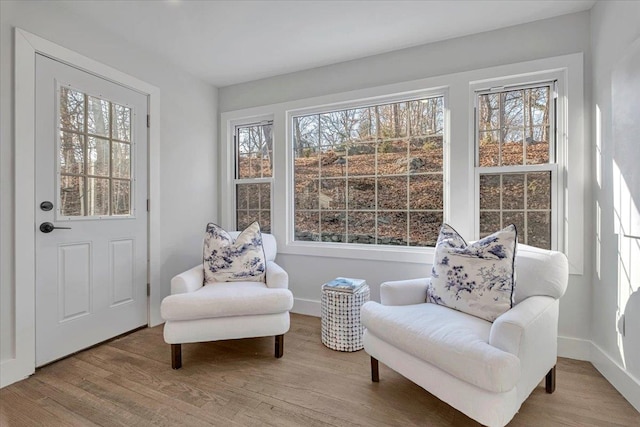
[[363, 174], [254, 166], [370, 174], [515, 159], [94, 156]]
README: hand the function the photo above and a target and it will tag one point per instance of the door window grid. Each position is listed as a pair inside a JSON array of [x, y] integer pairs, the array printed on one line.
[[515, 158], [94, 160], [379, 177], [254, 161]]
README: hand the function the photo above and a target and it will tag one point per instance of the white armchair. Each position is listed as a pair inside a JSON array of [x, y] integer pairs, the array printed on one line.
[[483, 369], [227, 310]]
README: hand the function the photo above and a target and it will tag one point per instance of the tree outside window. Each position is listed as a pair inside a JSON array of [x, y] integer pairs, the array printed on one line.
[[254, 171], [515, 161], [370, 174]]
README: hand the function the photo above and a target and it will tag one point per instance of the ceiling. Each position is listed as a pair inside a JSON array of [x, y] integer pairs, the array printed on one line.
[[229, 42]]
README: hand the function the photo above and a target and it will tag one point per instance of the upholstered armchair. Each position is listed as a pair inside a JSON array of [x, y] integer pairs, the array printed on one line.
[[484, 369], [198, 312]]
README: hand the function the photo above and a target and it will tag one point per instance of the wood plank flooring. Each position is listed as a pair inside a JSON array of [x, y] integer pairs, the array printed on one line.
[[129, 382]]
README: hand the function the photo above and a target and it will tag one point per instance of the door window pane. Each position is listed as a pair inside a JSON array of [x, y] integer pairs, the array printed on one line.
[[121, 159], [71, 109], [121, 197], [71, 158], [94, 170], [98, 116], [97, 196], [98, 156], [72, 195], [121, 123]]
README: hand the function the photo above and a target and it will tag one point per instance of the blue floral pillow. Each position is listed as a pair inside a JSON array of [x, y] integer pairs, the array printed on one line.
[[477, 279], [226, 260]]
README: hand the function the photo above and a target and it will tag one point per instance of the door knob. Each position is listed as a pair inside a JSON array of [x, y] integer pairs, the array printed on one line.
[[47, 227]]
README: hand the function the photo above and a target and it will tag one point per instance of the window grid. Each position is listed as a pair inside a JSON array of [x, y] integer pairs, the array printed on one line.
[[349, 212], [523, 235], [526, 167], [85, 176], [253, 187]]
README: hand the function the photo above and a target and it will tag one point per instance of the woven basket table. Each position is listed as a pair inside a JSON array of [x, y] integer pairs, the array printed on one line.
[[341, 327]]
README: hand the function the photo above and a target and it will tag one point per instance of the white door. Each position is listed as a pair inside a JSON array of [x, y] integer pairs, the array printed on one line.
[[91, 179]]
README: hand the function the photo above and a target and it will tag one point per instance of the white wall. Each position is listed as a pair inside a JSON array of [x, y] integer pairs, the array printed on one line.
[[615, 32], [188, 132], [541, 39]]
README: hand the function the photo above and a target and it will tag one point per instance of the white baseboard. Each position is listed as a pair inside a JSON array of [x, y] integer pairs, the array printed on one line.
[[574, 348], [10, 372], [306, 306], [622, 380]]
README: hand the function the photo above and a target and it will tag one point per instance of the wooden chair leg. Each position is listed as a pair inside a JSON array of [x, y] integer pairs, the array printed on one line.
[[176, 356], [550, 380], [279, 346], [375, 375]]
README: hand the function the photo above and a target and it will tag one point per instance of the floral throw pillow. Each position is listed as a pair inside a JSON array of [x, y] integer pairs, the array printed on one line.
[[478, 278], [226, 260]]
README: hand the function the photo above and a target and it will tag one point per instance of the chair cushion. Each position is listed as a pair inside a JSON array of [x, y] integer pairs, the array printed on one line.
[[229, 260], [453, 341], [477, 279], [226, 299]]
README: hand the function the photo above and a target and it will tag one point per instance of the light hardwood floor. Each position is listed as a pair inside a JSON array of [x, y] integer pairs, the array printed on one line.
[[129, 382]]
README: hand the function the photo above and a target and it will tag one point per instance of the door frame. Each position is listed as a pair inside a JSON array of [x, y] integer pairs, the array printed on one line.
[[27, 45]]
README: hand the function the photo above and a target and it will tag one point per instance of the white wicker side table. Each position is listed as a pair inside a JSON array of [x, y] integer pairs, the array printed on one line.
[[341, 327]]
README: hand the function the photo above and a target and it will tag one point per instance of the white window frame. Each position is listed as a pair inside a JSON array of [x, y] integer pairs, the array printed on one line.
[[459, 175], [356, 104], [132, 153], [557, 89], [263, 180], [228, 163]]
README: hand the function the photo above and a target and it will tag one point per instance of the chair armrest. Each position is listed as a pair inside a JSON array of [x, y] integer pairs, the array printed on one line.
[[189, 281], [529, 331], [276, 276], [404, 292], [533, 316]]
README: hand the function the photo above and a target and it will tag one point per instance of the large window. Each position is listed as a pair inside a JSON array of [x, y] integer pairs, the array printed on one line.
[[515, 129], [370, 174], [254, 171]]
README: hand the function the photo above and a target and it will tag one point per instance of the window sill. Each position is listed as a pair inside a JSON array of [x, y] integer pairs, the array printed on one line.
[[417, 255]]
